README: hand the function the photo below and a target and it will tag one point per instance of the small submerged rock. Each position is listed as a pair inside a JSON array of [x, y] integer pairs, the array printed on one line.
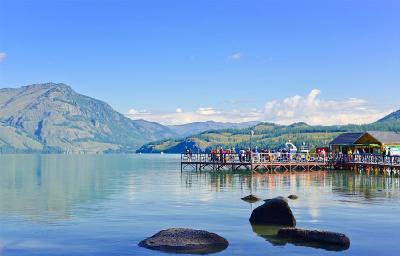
[[251, 198], [184, 240], [293, 197], [275, 211], [337, 241]]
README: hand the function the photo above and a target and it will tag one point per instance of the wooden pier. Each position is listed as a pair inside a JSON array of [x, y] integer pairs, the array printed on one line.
[[378, 164], [272, 162], [285, 162]]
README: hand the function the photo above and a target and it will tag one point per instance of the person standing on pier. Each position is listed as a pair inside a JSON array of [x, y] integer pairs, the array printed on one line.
[[323, 153], [212, 153], [242, 155], [350, 155], [383, 154], [248, 155]]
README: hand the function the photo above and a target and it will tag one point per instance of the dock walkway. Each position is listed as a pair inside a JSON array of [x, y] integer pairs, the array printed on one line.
[[286, 162], [257, 161]]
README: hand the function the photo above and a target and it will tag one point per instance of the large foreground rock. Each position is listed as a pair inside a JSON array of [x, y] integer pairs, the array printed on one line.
[[275, 211], [315, 236], [183, 240]]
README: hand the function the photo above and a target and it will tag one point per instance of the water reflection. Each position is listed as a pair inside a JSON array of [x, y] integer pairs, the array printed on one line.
[[369, 187], [269, 233], [344, 183], [104, 205], [50, 186], [37, 186]]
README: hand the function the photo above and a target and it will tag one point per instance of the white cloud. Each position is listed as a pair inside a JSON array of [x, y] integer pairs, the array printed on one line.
[[309, 108], [133, 111], [313, 110], [236, 56], [207, 111], [3, 56]]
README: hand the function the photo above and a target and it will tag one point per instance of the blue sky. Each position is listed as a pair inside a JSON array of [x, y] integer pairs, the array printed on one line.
[[182, 61]]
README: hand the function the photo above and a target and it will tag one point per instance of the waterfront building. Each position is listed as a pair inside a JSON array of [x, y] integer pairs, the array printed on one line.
[[373, 142]]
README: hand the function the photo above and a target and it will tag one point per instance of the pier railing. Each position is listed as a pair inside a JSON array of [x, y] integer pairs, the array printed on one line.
[[202, 157], [371, 159], [287, 158], [253, 158]]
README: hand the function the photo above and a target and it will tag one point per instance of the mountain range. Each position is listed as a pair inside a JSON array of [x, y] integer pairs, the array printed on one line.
[[391, 117], [53, 118], [184, 130], [267, 135]]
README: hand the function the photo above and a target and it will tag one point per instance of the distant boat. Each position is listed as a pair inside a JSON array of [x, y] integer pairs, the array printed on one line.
[[290, 147]]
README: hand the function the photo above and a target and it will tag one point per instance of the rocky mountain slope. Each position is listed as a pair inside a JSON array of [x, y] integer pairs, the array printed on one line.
[[54, 118]]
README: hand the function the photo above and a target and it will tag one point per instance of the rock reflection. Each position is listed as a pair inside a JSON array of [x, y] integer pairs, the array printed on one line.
[[269, 233]]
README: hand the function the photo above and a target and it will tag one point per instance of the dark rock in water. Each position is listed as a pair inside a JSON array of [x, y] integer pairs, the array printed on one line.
[[183, 240], [251, 198], [293, 197], [326, 239], [275, 211]]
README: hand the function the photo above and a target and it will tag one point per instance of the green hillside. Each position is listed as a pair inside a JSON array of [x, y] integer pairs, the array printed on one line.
[[266, 135]]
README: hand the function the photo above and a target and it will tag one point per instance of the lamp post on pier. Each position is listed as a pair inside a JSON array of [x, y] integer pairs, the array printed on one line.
[[251, 137]]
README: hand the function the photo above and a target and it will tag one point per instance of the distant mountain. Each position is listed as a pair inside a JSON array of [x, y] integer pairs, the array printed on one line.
[[391, 117], [266, 135], [54, 118], [199, 127]]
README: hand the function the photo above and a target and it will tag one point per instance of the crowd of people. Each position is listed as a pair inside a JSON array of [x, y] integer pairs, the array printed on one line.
[[362, 155], [219, 154], [226, 155], [222, 155]]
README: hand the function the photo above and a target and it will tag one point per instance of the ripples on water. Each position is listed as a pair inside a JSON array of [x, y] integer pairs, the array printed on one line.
[[104, 205]]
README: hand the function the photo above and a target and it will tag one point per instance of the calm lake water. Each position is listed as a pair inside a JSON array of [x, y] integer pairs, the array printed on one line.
[[106, 204]]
